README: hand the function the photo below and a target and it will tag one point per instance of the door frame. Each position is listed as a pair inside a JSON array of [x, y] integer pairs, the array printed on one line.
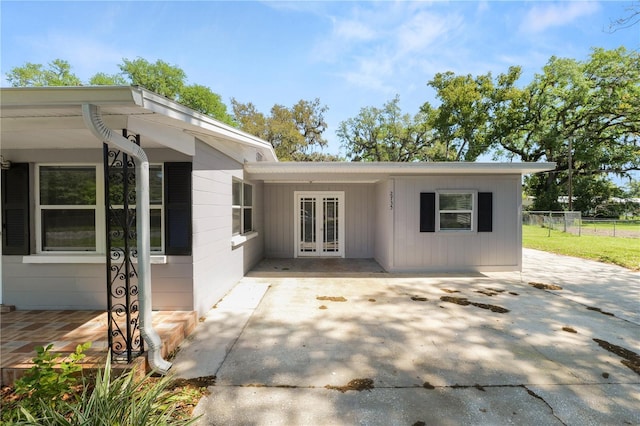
[[319, 195]]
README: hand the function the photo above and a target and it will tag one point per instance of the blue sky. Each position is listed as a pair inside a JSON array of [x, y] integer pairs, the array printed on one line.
[[349, 54]]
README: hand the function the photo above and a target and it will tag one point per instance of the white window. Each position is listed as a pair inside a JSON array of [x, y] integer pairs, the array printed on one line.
[[70, 208], [456, 210], [242, 207], [67, 208]]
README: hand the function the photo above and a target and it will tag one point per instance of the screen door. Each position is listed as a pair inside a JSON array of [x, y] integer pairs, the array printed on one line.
[[320, 224]]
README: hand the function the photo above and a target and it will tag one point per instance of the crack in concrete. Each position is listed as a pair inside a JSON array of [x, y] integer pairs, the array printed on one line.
[[535, 395]]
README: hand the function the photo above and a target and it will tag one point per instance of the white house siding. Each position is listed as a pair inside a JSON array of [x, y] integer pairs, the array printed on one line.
[[360, 212], [53, 286], [216, 265], [82, 286], [487, 251], [383, 234], [78, 286]]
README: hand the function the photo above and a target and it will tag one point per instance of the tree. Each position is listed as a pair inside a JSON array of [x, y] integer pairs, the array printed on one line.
[[204, 100], [630, 20], [295, 133], [170, 81], [594, 104], [103, 79], [633, 189], [386, 134], [462, 119], [58, 73], [159, 77]]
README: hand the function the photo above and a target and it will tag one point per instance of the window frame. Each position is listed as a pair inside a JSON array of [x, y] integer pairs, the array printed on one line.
[[472, 212], [99, 211], [241, 207]]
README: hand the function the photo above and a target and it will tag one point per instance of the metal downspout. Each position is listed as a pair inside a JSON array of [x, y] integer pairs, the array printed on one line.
[[93, 121]]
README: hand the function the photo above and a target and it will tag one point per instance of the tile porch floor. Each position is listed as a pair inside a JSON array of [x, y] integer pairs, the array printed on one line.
[[22, 331]]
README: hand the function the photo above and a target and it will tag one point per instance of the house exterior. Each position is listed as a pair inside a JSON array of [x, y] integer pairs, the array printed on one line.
[[220, 202]]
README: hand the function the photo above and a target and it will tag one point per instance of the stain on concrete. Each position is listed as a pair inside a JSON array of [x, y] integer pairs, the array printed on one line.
[[464, 302], [543, 286], [630, 359], [332, 298], [593, 308], [355, 385]]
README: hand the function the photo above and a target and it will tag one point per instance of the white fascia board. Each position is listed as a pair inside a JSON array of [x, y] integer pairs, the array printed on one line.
[[56, 96], [200, 124], [320, 170]]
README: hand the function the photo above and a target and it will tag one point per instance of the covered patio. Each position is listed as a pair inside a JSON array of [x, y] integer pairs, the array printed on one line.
[[22, 331]]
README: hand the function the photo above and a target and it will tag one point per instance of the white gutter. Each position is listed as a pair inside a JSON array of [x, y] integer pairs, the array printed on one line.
[[94, 123]]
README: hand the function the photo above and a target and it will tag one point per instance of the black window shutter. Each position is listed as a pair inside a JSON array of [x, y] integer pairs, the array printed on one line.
[[427, 212], [15, 209], [485, 211], [177, 208]]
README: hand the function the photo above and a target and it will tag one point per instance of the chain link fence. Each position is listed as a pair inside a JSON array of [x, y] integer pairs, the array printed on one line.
[[573, 223]]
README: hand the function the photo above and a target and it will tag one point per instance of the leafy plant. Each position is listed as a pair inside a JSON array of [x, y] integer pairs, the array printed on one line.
[[122, 401], [45, 381]]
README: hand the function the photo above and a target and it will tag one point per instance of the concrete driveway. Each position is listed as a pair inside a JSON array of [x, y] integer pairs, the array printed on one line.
[[377, 349]]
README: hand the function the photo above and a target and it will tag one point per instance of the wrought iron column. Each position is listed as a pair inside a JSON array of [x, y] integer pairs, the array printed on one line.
[[125, 341]]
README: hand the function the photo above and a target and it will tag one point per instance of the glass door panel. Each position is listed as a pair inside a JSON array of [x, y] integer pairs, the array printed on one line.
[[330, 238], [308, 225], [319, 227]]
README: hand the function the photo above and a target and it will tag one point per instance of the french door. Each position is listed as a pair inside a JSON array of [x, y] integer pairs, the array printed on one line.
[[319, 224]]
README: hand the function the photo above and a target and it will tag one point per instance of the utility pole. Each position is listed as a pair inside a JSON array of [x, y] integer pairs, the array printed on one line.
[[570, 176]]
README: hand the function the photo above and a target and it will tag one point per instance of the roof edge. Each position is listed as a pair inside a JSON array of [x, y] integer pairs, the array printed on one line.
[[132, 96], [391, 168]]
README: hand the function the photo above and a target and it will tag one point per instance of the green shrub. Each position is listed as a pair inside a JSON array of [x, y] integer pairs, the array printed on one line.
[[44, 381], [122, 401], [50, 395]]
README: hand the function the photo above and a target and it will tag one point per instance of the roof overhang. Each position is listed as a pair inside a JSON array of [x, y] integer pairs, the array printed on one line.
[[51, 118], [375, 171]]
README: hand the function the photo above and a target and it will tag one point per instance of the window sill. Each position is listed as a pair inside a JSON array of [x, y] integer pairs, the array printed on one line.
[[238, 240], [82, 258]]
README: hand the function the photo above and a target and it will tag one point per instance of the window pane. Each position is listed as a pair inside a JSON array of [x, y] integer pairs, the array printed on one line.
[[155, 220], [155, 225], [236, 220], [451, 221], [456, 201], [155, 185], [248, 195], [67, 185], [236, 191], [66, 230], [248, 220]]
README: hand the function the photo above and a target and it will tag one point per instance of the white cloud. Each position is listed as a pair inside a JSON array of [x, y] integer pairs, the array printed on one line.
[[421, 31], [541, 17], [85, 55], [351, 30], [375, 42], [371, 73]]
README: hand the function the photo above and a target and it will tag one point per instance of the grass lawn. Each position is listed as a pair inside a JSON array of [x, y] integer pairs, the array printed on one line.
[[619, 251]]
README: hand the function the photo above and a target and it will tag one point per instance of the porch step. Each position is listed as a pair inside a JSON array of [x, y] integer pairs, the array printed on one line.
[[23, 330]]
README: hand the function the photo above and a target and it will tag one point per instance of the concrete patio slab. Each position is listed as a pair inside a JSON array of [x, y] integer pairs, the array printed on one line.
[[485, 349]]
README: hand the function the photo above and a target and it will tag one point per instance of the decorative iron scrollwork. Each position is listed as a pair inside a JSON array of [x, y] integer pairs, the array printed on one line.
[[125, 340]]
